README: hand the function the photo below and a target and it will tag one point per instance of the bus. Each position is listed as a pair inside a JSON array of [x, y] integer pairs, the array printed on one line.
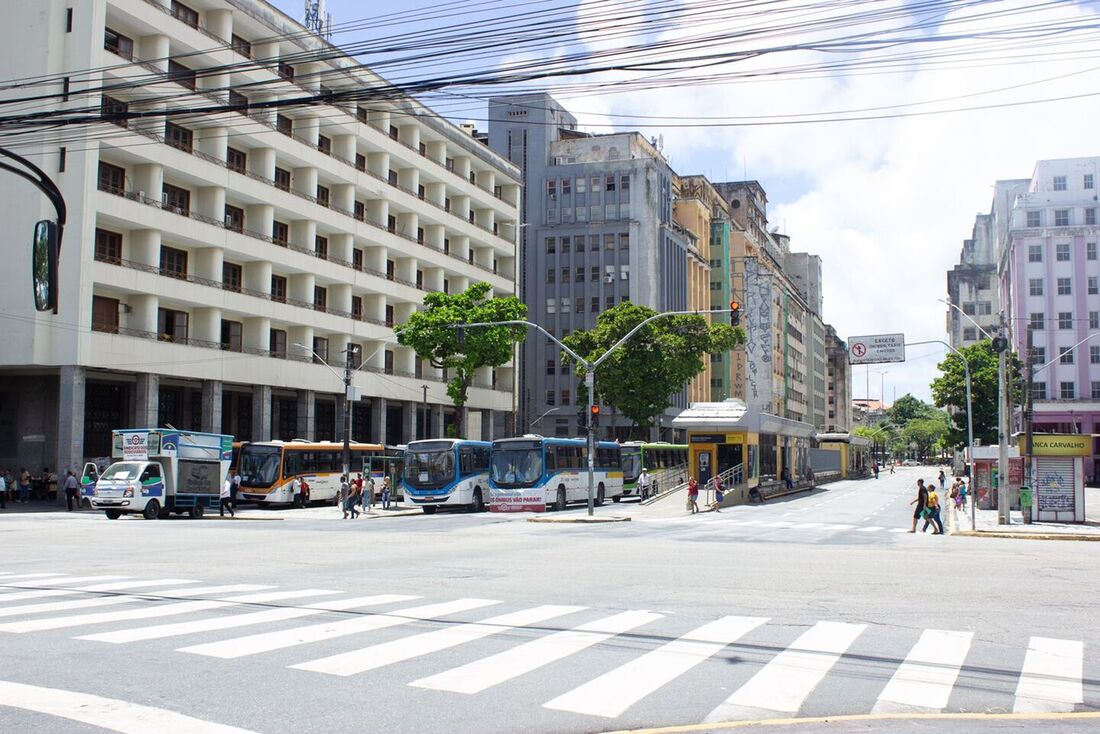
[[666, 462], [447, 473], [530, 473], [269, 469]]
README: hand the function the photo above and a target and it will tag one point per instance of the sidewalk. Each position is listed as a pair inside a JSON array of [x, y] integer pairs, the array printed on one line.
[[987, 525]]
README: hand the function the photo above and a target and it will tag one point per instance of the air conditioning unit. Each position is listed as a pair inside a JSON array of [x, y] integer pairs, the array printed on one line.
[[609, 278]]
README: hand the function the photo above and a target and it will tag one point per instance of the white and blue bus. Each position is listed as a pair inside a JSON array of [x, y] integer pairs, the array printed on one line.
[[530, 473], [447, 473]]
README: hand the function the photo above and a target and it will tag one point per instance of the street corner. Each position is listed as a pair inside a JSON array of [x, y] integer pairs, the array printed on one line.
[[580, 519]]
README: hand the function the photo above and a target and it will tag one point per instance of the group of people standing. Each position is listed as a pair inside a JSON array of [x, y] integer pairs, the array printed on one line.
[[22, 486], [927, 502], [360, 493], [715, 484]]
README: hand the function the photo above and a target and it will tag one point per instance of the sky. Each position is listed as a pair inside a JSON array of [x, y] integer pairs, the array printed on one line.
[[886, 203]]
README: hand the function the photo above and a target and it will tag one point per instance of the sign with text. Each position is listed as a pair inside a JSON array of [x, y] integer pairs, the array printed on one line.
[[876, 348], [135, 446], [529, 501]]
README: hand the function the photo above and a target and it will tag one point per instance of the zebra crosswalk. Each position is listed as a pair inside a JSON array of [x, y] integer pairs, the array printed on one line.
[[739, 667]]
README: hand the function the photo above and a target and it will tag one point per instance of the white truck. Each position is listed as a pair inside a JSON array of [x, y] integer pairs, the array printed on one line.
[[158, 471]]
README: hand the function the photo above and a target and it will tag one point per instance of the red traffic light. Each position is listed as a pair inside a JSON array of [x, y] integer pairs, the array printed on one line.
[[735, 306], [595, 410]]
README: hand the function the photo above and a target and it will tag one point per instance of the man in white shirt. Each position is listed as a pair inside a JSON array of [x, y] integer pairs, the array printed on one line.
[[3, 492], [643, 484], [226, 494], [236, 489]]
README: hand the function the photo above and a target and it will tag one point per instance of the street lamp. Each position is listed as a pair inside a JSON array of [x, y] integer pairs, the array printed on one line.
[[552, 410]]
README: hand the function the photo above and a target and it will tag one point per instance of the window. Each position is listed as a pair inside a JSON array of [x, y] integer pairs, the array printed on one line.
[[171, 325], [389, 317], [551, 396], [1061, 217], [182, 12], [173, 262], [551, 275], [551, 245], [1039, 390], [181, 74], [234, 218], [1038, 320], [322, 195], [594, 274], [111, 178], [1093, 287], [1066, 391], [551, 305], [566, 186], [551, 367], [360, 212], [108, 246], [565, 396], [420, 235], [552, 188], [320, 247], [118, 44], [1059, 183], [624, 272], [624, 241], [594, 304], [1094, 354], [232, 340], [239, 101], [420, 279], [1034, 253], [985, 308], [609, 242], [609, 183], [1061, 253], [609, 302], [1064, 288], [579, 275], [284, 124], [1065, 319], [1090, 250], [566, 244], [277, 343], [278, 288], [176, 199], [105, 314], [282, 179], [241, 46], [231, 276], [970, 334], [320, 349], [1033, 219], [566, 304], [565, 272], [394, 132], [582, 184], [286, 71], [236, 160], [1095, 390], [1094, 319], [360, 162], [324, 144], [624, 182], [1088, 181], [114, 110], [1065, 355], [357, 307], [178, 137], [1038, 355], [969, 309], [391, 270], [280, 232], [578, 307], [1090, 215]]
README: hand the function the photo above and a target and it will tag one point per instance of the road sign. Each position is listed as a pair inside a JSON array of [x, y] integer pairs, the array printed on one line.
[[876, 348]]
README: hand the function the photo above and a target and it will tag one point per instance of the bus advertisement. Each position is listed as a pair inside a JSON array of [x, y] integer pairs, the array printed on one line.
[[532, 473], [447, 473]]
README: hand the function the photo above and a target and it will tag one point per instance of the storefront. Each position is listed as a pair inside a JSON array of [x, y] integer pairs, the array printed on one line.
[[1058, 476]]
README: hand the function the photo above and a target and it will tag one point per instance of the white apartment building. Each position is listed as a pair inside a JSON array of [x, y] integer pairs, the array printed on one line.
[[201, 249]]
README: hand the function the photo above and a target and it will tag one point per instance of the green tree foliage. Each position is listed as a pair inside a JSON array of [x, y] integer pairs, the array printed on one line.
[[949, 390], [639, 378], [432, 336], [925, 433], [907, 408]]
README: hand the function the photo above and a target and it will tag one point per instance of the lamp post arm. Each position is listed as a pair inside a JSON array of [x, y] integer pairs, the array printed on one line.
[[320, 359], [639, 327], [531, 325], [966, 316]]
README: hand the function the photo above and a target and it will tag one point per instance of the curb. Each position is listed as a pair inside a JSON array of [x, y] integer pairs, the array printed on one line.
[[1026, 536], [603, 520]]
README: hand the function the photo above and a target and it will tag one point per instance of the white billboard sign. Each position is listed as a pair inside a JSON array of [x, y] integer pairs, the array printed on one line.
[[876, 348]]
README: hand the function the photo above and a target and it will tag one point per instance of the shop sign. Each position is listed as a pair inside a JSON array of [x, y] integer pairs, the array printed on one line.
[[1060, 445]]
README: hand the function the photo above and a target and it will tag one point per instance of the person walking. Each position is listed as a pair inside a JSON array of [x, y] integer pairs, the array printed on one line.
[[72, 491], [943, 478], [933, 515], [225, 497], [3, 491], [874, 468], [962, 493], [368, 492], [24, 485], [921, 502], [385, 493], [235, 490], [355, 496], [693, 495], [345, 491], [717, 504], [643, 484]]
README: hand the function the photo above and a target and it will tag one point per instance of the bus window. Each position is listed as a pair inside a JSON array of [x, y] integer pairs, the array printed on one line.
[[466, 460], [481, 458]]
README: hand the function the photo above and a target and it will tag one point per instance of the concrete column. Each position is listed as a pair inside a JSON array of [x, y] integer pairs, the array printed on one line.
[[155, 49], [303, 233], [437, 421], [145, 247], [211, 202], [261, 161], [378, 418], [408, 420], [304, 180], [208, 263], [147, 401], [344, 146], [70, 422], [257, 333], [206, 324], [212, 406], [213, 140], [306, 414], [147, 179], [257, 276], [143, 313], [261, 412], [341, 247], [220, 23]]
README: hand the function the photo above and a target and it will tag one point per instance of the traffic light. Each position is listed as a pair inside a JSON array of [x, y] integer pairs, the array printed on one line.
[[595, 415], [735, 313], [1000, 344]]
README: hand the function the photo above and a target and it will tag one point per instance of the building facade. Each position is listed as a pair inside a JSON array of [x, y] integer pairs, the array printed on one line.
[[1050, 284], [838, 388], [213, 260]]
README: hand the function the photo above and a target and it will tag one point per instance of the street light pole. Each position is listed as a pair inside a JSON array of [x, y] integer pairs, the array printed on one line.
[[347, 413]]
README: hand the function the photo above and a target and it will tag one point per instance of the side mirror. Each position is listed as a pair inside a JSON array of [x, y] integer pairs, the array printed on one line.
[[44, 265]]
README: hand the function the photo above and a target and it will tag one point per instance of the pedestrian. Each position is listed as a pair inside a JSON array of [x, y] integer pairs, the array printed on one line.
[[360, 487], [225, 496], [3, 491], [235, 490], [785, 475], [962, 493], [385, 493], [643, 484], [693, 495], [942, 478], [303, 487], [874, 468], [933, 515], [24, 485], [717, 494], [954, 494], [342, 498], [891, 467], [368, 491], [72, 491], [921, 502], [354, 497]]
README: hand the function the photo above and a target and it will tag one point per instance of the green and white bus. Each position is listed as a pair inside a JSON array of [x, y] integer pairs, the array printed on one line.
[[666, 462]]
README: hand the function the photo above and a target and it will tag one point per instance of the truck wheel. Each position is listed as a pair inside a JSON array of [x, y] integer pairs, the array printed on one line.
[[113, 514], [559, 502], [616, 498], [599, 495], [429, 509], [195, 512], [479, 503], [152, 510]]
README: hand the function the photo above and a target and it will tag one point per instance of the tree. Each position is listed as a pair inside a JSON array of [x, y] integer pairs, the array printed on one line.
[[925, 432], [949, 390], [432, 336], [907, 408], [656, 363]]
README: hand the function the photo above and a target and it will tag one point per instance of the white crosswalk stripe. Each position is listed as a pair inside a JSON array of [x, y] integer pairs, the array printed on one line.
[[614, 692], [29, 576], [157, 632], [496, 669], [268, 641], [25, 609], [1051, 677], [63, 581], [114, 586], [387, 653], [781, 686], [925, 679]]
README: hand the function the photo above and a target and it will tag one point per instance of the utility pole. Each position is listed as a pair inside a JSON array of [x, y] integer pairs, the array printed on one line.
[[1003, 504], [426, 414], [347, 412], [1028, 394]]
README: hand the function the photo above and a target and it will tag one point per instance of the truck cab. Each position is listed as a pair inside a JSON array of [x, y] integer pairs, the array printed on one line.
[[127, 486]]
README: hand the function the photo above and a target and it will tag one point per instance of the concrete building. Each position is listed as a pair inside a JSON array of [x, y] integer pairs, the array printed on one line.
[[1049, 274], [201, 249], [838, 389], [599, 230]]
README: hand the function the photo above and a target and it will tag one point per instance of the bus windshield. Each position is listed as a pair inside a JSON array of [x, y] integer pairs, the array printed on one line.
[[430, 468], [632, 464], [259, 465], [516, 467]]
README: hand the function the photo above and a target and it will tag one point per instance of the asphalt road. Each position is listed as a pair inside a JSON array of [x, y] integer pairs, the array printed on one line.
[[818, 605]]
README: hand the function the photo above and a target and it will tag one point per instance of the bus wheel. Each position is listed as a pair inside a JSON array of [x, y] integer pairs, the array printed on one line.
[[151, 511], [113, 514], [195, 512], [599, 495], [559, 503], [429, 509], [479, 503]]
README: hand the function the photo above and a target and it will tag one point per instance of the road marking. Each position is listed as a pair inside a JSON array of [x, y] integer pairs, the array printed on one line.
[[1051, 676], [116, 586], [485, 673], [232, 621], [64, 581], [807, 525], [395, 651], [777, 524], [898, 530], [837, 526], [106, 713], [869, 529], [926, 677], [615, 691], [278, 640], [160, 610], [29, 576], [781, 686]]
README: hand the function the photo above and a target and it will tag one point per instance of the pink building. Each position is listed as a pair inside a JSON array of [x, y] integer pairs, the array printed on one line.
[[1047, 252]]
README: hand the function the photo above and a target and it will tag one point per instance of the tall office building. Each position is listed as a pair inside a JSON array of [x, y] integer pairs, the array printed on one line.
[[213, 260]]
